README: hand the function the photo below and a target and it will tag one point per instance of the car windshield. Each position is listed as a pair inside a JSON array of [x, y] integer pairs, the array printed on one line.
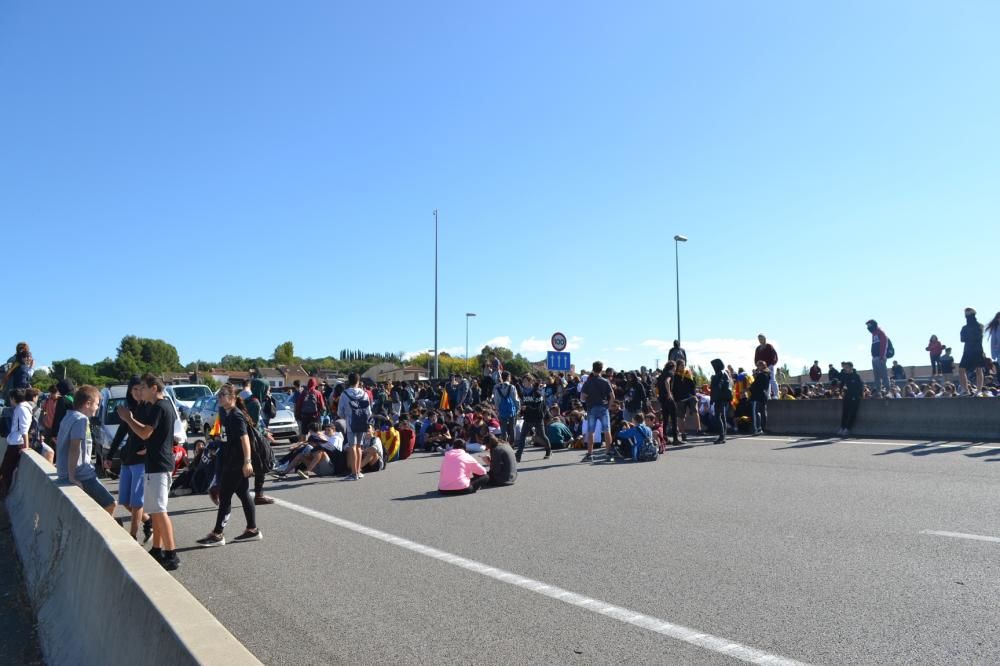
[[111, 411], [282, 400], [191, 393]]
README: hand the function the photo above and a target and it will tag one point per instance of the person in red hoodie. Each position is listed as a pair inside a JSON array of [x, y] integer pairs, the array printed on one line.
[[309, 407]]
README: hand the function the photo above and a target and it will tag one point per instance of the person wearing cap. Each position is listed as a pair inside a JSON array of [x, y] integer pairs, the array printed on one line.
[[880, 352]]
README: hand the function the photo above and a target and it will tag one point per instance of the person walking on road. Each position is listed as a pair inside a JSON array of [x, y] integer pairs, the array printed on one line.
[[766, 352], [880, 352], [853, 390], [533, 406], [972, 356], [235, 470]]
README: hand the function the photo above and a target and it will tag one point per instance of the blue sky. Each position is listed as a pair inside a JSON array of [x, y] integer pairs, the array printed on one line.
[[230, 175]]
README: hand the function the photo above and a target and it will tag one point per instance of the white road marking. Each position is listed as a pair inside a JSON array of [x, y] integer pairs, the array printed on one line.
[[691, 636], [962, 535]]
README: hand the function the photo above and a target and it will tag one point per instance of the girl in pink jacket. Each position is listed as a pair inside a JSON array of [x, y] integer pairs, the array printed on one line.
[[460, 472]]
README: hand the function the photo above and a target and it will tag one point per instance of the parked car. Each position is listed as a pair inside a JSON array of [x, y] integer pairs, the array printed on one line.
[[202, 415], [283, 424], [185, 395]]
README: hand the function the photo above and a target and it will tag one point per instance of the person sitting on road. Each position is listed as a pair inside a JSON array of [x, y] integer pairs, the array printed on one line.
[[501, 460], [637, 435], [460, 472], [372, 452], [407, 437], [438, 435]]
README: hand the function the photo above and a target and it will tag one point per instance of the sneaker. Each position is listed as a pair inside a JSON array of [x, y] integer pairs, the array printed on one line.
[[249, 536], [156, 554], [587, 458], [684, 437], [262, 499], [302, 473], [546, 456], [350, 477], [171, 562], [147, 530], [211, 540], [360, 475]]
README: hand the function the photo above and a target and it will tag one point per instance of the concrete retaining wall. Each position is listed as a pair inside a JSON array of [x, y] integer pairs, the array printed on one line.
[[99, 597], [969, 419]]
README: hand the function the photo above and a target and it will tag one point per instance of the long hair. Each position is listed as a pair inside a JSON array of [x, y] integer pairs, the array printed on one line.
[[994, 325]]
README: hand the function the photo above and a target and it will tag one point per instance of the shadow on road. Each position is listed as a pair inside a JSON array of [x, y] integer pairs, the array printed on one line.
[[430, 494], [808, 443]]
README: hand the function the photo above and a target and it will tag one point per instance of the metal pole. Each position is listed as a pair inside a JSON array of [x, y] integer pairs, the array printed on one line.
[[677, 281], [466, 343], [436, 369]]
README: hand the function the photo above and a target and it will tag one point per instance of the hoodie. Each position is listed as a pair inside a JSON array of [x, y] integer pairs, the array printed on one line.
[[344, 410], [310, 388], [972, 335], [722, 384], [66, 390], [258, 393]]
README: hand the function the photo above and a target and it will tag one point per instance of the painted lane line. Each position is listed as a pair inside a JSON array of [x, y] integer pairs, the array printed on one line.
[[692, 637], [962, 535]]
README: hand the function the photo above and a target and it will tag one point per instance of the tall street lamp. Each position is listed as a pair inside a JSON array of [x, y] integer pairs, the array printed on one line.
[[468, 315], [435, 293], [678, 239]]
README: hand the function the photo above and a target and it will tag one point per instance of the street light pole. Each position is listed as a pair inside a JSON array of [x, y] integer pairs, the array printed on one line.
[[468, 315], [678, 239], [435, 293]]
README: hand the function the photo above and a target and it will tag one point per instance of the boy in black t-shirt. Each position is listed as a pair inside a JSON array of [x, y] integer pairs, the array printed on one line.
[[158, 434]]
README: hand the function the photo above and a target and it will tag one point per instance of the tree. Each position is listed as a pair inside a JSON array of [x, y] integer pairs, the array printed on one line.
[[284, 354], [137, 356], [42, 381]]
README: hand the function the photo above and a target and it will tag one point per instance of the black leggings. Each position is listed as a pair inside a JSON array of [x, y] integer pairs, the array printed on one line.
[[539, 429], [233, 482], [669, 408], [478, 481]]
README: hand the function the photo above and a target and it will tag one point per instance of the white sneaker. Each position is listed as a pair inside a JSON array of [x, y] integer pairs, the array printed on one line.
[[360, 475]]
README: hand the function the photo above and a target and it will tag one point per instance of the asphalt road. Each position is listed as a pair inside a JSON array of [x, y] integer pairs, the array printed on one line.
[[807, 550]]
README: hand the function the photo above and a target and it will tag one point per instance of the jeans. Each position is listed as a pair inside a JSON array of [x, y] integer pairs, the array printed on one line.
[[773, 386], [721, 412], [881, 373], [759, 411], [935, 364], [539, 430], [233, 482]]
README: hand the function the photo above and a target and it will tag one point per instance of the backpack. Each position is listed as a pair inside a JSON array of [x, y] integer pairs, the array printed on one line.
[[261, 455], [270, 408], [726, 388], [360, 412], [889, 351], [647, 450], [310, 404], [508, 407]]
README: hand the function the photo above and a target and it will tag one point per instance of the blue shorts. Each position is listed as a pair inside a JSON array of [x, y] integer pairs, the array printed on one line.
[[598, 415], [97, 492], [131, 485]]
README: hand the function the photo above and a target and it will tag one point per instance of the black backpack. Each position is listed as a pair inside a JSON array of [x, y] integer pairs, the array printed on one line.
[[889, 351], [261, 455], [310, 403], [270, 408]]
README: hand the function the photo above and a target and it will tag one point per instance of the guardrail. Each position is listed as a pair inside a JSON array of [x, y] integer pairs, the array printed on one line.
[[969, 419], [98, 597]]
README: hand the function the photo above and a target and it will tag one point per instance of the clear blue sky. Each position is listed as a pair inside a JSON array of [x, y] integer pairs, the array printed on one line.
[[229, 175]]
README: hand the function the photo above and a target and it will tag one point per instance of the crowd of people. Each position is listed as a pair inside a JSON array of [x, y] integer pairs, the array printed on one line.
[[357, 428]]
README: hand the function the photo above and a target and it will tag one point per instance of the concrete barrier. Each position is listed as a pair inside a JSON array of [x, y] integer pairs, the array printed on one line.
[[98, 596], [967, 419]]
